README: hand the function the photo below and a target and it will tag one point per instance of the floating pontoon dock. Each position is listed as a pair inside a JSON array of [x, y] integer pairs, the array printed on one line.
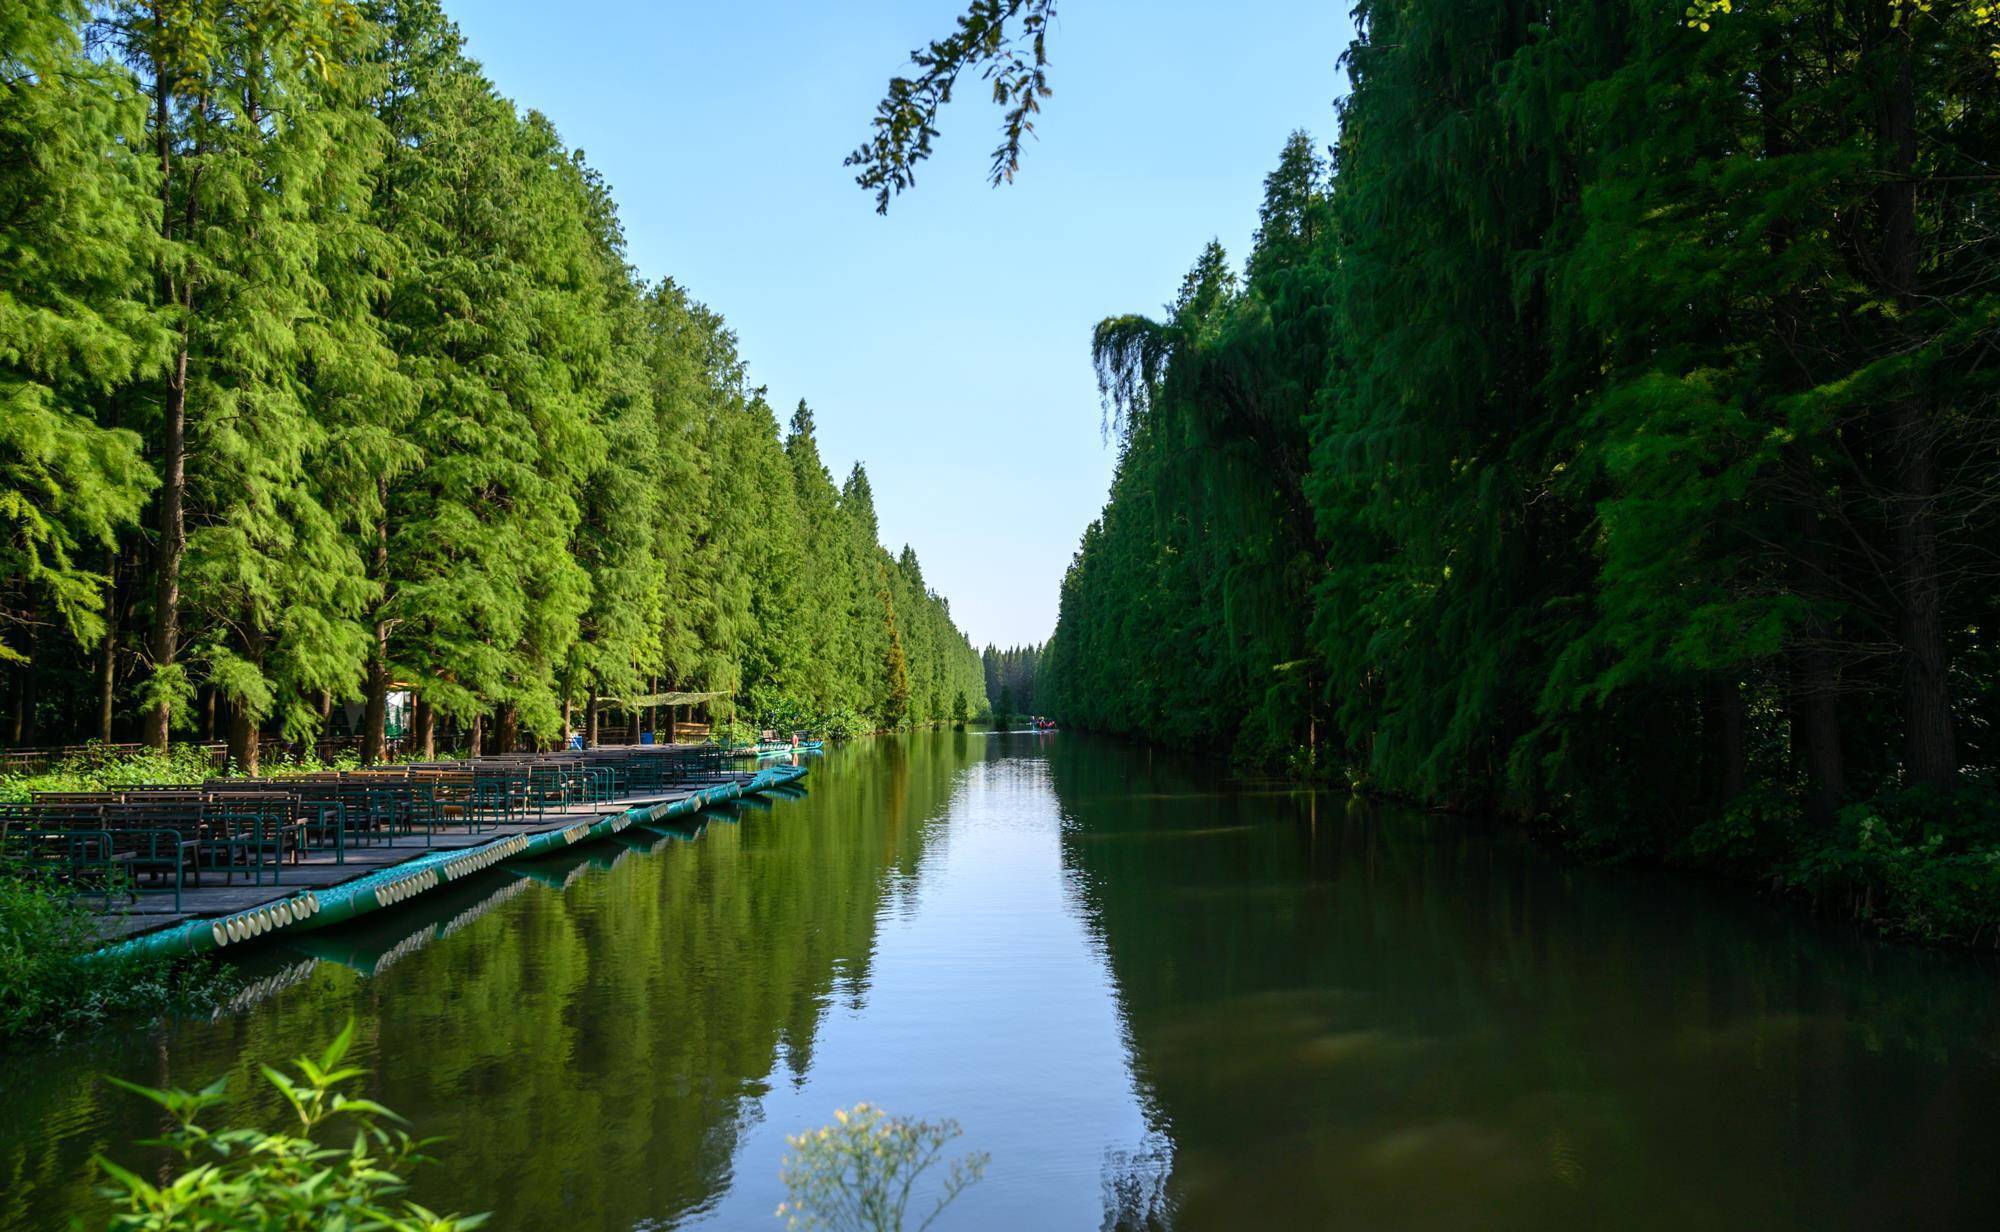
[[319, 890]]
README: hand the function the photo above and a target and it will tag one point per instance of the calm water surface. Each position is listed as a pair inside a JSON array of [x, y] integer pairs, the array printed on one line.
[[1158, 999]]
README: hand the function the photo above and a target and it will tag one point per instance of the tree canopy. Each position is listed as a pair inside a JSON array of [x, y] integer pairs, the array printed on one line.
[[1602, 431], [325, 374]]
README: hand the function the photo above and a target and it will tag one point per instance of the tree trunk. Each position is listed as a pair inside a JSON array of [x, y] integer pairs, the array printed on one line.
[[166, 632], [107, 653], [243, 740], [424, 720], [508, 733], [1816, 733], [478, 735], [375, 727], [375, 723], [1732, 760], [245, 734], [24, 693], [173, 542], [1929, 747], [590, 720]]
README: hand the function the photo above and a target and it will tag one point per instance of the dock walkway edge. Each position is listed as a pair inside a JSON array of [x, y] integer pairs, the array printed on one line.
[[385, 887]]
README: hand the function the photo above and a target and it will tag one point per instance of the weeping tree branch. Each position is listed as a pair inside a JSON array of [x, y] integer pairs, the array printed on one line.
[[1005, 41], [1130, 354]]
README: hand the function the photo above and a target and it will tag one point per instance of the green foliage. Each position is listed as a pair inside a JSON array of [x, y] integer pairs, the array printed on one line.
[[1181, 612], [41, 933], [1006, 41], [291, 1179], [269, 263], [98, 770], [366, 336], [1606, 444], [74, 318], [45, 991], [860, 1173], [1011, 675]]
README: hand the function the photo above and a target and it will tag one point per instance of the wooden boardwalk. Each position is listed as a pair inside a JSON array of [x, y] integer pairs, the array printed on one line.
[[317, 870]]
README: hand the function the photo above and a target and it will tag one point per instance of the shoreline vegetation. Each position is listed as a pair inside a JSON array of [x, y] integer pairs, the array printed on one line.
[[345, 1160], [50, 986], [1602, 433], [48, 993], [296, 1177], [327, 381]]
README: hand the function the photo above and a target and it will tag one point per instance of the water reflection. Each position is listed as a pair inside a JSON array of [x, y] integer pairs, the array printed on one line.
[[1356, 1017], [1158, 998]]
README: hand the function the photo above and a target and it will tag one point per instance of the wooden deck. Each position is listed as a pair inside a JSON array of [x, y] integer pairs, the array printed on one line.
[[319, 869]]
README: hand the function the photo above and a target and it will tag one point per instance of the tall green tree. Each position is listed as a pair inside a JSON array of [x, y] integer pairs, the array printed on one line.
[[1625, 425], [368, 337], [264, 150], [77, 323]]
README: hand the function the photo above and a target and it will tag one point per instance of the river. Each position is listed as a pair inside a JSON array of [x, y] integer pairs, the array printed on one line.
[[1157, 996]]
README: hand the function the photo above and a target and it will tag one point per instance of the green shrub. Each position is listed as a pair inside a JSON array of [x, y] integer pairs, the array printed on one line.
[[841, 723], [93, 770], [310, 763], [1916, 861], [845, 723], [732, 732], [41, 932], [44, 987], [1754, 835], [272, 1181]]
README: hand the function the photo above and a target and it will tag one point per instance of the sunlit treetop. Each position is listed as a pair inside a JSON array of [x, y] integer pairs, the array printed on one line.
[[1985, 16]]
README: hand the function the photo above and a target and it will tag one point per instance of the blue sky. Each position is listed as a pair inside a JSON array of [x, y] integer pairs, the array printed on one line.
[[947, 346]]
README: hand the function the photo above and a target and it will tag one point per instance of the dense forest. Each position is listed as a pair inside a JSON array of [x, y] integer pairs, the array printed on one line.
[[1010, 679], [324, 373], [1603, 432]]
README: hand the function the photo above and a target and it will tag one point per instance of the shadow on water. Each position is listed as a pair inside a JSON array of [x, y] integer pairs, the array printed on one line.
[[1349, 1015], [1158, 996]]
